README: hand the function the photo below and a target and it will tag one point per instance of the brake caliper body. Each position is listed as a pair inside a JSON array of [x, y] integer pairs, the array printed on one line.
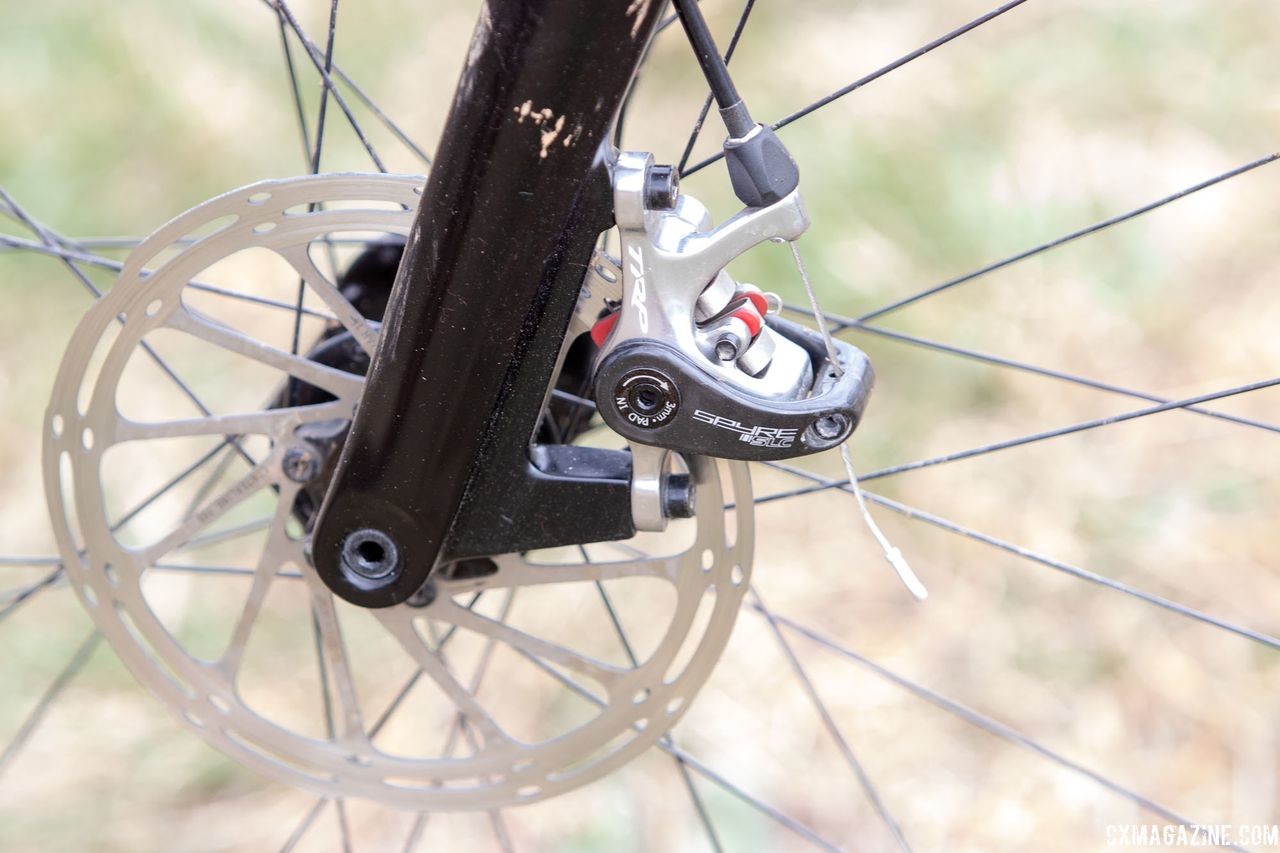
[[695, 362]]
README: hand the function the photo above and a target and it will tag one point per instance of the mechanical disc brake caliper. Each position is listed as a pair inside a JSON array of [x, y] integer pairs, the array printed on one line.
[[691, 361]]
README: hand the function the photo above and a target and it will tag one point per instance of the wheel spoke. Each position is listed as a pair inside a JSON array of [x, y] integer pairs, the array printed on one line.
[[697, 766], [1032, 556], [318, 61], [344, 312], [82, 257], [706, 104], [699, 807], [1068, 430], [1067, 238], [78, 659], [874, 75], [984, 722], [30, 591], [829, 723], [401, 628], [332, 652], [850, 324], [606, 675]]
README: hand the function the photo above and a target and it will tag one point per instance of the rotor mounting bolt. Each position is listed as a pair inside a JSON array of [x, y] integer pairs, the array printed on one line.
[[661, 187], [370, 553], [300, 464]]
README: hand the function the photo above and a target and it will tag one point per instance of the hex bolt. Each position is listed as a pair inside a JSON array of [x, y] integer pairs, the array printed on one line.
[[370, 554], [678, 496], [831, 427], [731, 339], [726, 348], [661, 187], [300, 464]]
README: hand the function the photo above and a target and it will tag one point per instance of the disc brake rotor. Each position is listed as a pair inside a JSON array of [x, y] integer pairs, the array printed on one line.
[[171, 470]]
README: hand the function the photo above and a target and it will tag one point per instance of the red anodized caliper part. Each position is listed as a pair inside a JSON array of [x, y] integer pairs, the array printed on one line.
[[752, 310]]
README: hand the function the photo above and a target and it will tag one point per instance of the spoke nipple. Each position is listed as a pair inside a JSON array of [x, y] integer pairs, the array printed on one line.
[[300, 464]]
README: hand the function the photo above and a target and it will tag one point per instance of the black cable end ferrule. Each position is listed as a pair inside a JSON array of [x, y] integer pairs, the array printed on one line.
[[761, 169], [737, 120]]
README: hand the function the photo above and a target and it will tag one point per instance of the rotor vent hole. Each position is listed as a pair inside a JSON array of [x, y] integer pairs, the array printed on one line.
[[708, 560], [154, 306], [264, 228], [674, 706], [259, 198], [737, 575], [86, 439], [57, 424], [641, 696]]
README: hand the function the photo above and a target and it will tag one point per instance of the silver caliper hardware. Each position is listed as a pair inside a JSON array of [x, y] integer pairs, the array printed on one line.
[[749, 387]]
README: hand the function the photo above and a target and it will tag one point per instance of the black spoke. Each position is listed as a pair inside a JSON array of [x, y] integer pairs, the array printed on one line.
[[850, 324], [295, 86], [1070, 429], [315, 170], [37, 715], [706, 104], [874, 75], [1067, 238], [28, 592], [1025, 553], [699, 807], [694, 764], [318, 61], [829, 723], [381, 115], [54, 241], [985, 722], [327, 700], [303, 825]]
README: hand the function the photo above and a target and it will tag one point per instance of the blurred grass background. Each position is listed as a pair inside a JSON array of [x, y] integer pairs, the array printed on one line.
[[1049, 118]]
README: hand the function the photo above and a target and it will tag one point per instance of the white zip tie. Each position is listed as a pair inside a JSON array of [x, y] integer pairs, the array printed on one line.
[[891, 553]]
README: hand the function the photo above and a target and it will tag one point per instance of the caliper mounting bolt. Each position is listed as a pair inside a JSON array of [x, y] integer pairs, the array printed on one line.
[[678, 496], [661, 187]]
